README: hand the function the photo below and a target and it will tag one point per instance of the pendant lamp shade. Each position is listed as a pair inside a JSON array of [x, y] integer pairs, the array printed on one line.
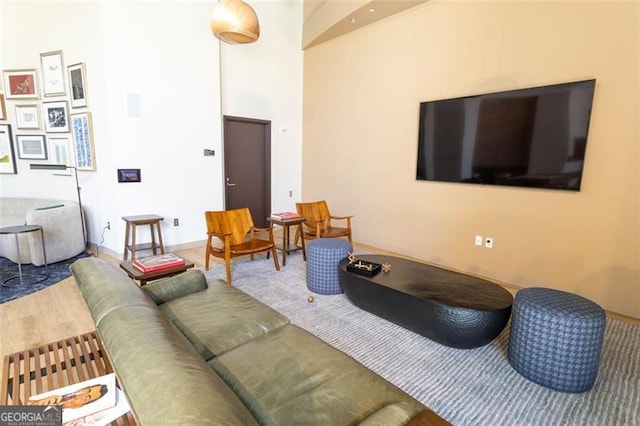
[[235, 22]]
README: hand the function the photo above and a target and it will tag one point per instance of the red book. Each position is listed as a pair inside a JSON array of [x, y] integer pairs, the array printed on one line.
[[158, 262], [285, 215]]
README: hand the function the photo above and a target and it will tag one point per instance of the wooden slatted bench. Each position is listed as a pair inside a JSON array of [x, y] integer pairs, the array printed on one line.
[[53, 366]]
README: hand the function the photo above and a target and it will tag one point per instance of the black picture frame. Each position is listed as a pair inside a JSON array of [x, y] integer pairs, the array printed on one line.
[[129, 175]]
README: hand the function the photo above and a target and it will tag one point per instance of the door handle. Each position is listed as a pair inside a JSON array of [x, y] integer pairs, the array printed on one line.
[[229, 183]]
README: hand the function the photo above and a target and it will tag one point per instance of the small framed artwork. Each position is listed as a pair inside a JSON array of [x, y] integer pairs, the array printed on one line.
[[52, 73], [3, 108], [55, 116], [77, 85], [129, 175], [31, 147], [82, 131], [20, 84], [27, 117], [7, 154], [59, 153]]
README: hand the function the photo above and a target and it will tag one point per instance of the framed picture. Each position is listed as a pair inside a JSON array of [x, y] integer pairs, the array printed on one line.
[[31, 147], [20, 84], [7, 154], [129, 175], [56, 116], [52, 73], [3, 108], [60, 153], [82, 130], [77, 85], [27, 117]]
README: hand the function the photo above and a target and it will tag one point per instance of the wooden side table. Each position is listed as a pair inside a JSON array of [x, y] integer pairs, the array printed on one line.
[[53, 366], [136, 274], [154, 226], [286, 244]]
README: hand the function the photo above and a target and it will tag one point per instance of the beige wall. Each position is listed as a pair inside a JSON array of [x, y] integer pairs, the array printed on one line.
[[361, 97]]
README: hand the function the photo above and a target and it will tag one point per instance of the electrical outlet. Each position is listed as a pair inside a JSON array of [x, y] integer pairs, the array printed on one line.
[[488, 243], [290, 193], [108, 225], [176, 222], [479, 240]]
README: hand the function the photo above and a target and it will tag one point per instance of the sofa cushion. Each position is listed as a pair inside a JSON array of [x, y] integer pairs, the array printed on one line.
[[152, 359], [289, 376], [220, 318], [167, 289]]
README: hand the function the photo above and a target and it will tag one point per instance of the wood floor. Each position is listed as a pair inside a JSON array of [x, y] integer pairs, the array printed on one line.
[[55, 313], [59, 311]]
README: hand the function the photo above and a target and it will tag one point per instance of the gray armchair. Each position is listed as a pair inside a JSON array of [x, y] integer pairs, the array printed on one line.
[[61, 223]]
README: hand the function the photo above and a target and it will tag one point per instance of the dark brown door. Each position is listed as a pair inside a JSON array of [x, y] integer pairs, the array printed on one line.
[[247, 165]]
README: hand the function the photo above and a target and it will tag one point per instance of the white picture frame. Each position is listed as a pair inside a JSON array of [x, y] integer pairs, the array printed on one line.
[[82, 131], [55, 115], [52, 68], [27, 116], [60, 153], [21, 84]]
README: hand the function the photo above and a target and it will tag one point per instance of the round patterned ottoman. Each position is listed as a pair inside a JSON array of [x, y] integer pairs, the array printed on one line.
[[556, 338], [323, 258]]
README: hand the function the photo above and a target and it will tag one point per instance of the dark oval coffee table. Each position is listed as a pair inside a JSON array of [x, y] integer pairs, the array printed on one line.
[[451, 308]]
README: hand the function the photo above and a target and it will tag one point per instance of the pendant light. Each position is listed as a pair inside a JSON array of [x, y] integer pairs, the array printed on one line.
[[235, 22]]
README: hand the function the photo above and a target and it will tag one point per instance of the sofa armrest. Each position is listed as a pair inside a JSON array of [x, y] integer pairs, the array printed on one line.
[[167, 289], [165, 379], [400, 413]]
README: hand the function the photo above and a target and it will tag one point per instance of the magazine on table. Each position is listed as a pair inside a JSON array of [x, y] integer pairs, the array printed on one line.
[[158, 262], [81, 399], [105, 417]]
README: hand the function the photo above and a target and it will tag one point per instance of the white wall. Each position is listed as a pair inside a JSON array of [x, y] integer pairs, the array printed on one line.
[[163, 54], [263, 80]]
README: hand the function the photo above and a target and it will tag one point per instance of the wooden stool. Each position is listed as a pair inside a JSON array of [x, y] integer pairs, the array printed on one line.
[[146, 219]]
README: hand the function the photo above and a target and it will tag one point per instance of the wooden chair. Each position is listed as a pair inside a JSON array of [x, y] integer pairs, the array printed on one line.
[[318, 222], [237, 233]]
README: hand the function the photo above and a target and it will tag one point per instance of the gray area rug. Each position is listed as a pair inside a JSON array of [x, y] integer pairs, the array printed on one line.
[[465, 386]]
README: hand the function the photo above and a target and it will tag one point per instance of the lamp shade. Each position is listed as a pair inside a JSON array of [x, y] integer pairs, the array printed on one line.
[[235, 22]]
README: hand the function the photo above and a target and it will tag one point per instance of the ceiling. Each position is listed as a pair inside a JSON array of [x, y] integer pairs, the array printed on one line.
[[326, 19]]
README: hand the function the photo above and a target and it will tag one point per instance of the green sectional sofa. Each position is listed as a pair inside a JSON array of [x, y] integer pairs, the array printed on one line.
[[190, 352]]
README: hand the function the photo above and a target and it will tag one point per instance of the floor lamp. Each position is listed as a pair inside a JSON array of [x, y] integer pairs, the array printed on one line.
[[61, 167]]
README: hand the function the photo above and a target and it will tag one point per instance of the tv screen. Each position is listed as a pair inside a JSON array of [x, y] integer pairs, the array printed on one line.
[[533, 137]]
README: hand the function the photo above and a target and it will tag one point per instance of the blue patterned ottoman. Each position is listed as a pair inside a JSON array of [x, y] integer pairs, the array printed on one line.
[[323, 257], [556, 338]]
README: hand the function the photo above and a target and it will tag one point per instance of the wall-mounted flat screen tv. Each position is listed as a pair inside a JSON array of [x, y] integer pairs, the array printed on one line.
[[534, 137]]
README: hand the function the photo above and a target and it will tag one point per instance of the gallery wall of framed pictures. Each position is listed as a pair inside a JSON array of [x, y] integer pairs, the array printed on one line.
[[44, 115]]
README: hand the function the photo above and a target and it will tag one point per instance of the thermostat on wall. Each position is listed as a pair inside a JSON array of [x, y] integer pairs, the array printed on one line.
[[129, 175]]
